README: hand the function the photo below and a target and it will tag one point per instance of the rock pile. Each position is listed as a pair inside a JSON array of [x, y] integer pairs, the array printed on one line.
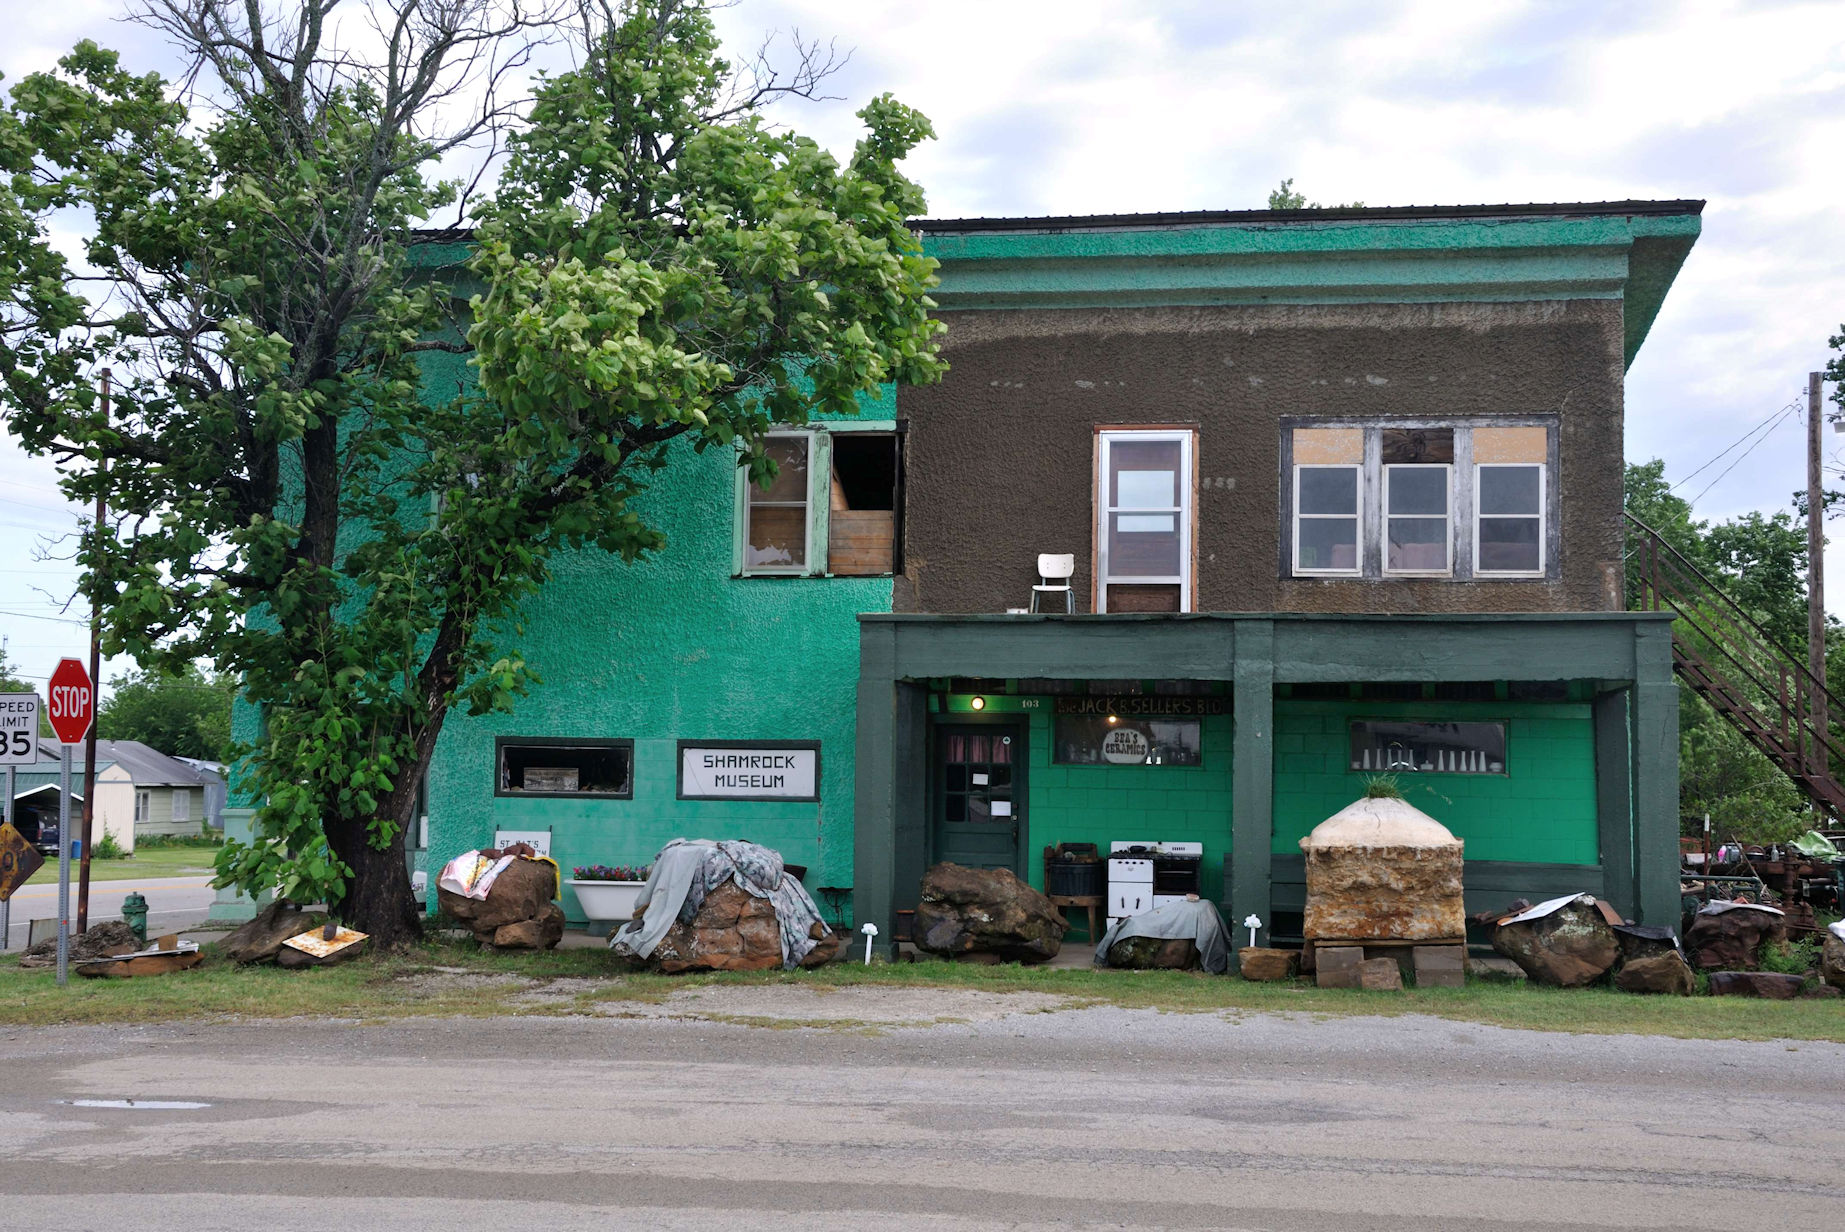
[[519, 912], [260, 940], [104, 940], [735, 931], [975, 912]]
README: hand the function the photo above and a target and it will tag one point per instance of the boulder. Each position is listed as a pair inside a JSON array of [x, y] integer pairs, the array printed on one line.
[[1262, 963], [1154, 954], [986, 911], [1832, 960], [1336, 966], [734, 931], [1495, 969], [1644, 941], [1770, 984], [1731, 939], [1821, 992], [1383, 870], [542, 933], [1664, 973], [260, 940], [1567, 947], [521, 892]]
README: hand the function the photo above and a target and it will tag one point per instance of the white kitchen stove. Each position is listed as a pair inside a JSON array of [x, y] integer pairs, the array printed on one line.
[[1143, 875]]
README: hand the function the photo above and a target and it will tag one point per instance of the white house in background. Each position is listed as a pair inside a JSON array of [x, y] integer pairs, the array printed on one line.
[[35, 798], [140, 791]]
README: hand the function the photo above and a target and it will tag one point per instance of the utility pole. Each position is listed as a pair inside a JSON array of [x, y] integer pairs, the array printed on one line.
[[89, 741], [1816, 569]]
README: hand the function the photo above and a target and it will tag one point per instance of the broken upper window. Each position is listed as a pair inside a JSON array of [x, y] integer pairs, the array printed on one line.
[[835, 506], [861, 532]]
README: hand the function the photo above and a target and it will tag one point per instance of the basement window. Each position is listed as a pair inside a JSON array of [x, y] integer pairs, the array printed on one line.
[[573, 768], [1394, 746]]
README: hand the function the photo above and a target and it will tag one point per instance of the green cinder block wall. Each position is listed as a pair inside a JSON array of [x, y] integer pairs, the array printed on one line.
[[1542, 810], [1105, 804]]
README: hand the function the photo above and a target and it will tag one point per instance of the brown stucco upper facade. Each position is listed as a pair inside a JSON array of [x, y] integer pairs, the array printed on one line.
[[1246, 335]]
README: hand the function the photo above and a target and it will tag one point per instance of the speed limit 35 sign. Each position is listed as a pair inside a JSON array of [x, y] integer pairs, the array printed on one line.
[[18, 729]]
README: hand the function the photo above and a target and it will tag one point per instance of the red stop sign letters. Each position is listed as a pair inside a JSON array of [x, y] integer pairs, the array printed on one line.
[[73, 701]]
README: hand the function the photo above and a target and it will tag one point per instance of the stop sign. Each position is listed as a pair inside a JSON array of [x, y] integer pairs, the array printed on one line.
[[73, 701]]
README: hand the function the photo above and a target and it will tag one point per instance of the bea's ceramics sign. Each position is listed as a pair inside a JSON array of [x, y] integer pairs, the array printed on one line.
[[750, 770], [1124, 746]]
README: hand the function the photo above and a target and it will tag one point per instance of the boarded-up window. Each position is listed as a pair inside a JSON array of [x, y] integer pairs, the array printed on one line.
[[861, 536]]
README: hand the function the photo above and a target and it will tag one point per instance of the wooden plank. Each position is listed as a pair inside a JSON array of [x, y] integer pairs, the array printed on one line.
[[860, 542]]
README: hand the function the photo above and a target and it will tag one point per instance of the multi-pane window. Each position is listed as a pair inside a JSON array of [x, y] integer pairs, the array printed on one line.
[[1416, 532], [1144, 531], [775, 539], [144, 805], [1326, 519], [1408, 500], [1509, 519], [182, 804]]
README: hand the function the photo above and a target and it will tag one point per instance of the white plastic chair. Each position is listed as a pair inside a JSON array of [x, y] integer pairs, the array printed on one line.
[[1054, 574]]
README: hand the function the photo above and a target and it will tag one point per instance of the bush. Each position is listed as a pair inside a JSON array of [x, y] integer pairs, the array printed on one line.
[[107, 848], [1791, 957], [213, 839]]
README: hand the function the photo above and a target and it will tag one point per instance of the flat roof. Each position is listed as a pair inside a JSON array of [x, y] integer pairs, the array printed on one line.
[[1364, 213]]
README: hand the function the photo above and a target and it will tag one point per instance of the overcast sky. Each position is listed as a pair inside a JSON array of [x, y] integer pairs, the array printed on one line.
[[1093, 106]]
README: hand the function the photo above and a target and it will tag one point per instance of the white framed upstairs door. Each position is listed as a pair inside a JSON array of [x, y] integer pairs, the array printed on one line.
[[1145, 512]]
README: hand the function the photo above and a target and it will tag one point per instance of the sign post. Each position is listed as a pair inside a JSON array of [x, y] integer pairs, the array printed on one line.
[[73, 709], [18, 747]]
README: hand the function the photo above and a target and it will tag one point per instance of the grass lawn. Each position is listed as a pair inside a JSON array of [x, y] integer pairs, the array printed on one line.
[[148, 862], [442, 979]]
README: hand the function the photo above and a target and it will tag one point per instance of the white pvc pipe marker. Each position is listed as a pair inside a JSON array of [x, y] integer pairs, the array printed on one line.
[[1252, 922], [870, 931]]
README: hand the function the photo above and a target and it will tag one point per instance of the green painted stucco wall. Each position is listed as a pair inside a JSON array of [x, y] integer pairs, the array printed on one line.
[[1542, 810], [1106, 804], [673, 647]]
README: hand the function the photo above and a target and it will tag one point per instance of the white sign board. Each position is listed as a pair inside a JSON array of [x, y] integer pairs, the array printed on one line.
[[538, 840], [1125, 746], [18, 729], [749, 771]]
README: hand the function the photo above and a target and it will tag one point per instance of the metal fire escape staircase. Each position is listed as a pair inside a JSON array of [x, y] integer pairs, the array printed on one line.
[[1768, 694]]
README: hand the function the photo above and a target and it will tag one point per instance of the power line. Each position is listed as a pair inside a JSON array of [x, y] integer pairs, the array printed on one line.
[[1745, 453], [1768, 424], [63, 620]]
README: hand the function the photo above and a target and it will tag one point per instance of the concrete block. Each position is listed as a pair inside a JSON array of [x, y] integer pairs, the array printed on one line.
[[1337, 966]]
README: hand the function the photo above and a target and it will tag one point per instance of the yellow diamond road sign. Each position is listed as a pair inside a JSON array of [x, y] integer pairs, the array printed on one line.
[[18, 860]]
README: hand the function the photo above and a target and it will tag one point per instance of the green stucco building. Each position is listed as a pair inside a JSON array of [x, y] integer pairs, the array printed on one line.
[[1342, 493]]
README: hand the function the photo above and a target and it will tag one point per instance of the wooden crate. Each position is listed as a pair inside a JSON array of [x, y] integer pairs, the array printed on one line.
[[860, 542]]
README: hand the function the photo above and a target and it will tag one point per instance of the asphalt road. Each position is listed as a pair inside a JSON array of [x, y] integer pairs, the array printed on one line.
[[1101, 1117], [173, 903]]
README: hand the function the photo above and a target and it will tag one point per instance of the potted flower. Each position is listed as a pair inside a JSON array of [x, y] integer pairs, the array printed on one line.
[[608, 893]]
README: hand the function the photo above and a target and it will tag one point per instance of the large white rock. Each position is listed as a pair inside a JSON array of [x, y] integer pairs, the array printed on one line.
[[1383, 870]]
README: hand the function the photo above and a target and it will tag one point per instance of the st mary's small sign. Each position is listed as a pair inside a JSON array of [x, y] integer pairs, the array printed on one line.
[[749, 770]]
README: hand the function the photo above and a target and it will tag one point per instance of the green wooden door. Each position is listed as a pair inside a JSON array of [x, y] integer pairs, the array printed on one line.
[[979, 794]]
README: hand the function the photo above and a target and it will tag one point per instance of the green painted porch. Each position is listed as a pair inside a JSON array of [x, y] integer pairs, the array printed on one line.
[[1619, 663]]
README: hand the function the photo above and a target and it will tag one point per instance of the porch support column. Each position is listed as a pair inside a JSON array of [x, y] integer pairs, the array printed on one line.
[[1614, 800], [874, 803], [1654, 720], [1253, 767]]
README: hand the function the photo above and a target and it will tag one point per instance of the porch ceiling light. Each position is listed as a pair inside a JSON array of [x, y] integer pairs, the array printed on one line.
[[978, 703], [1113, 719]]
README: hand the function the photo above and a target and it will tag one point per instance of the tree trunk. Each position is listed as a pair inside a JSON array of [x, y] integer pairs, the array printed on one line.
[[377, 899]]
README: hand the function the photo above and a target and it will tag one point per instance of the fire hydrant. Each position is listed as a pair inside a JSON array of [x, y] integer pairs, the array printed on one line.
[[134, 914]]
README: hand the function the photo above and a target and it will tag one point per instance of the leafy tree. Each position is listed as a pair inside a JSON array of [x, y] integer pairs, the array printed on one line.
[[1285, 198], [295, 504], [182, 716]]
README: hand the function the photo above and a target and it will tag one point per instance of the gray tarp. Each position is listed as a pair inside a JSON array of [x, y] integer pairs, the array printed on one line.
[[1198, 922], [688, 869]]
